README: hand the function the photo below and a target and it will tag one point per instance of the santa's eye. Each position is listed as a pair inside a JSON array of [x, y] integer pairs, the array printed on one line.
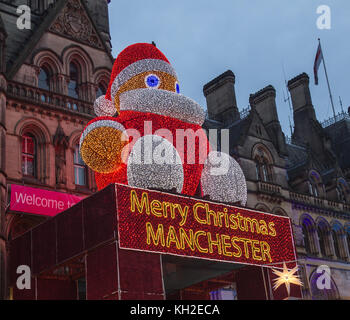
[[152, 81], [177, 87]]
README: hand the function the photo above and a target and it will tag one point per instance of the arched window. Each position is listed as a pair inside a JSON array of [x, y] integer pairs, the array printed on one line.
[[44, 79], [338, 238], [342, 190], [265, 173], [308, 229], [348, 239], [73, 81], [280, 212], [324, 238], [313, 189], [262, 207], [28, 155], [335, 238], [340, 194], [79, 168], [315, 184], [101, 90], [263, 165], [257, 170], [306, 234]]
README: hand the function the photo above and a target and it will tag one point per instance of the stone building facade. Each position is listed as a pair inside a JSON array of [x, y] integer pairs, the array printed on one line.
[[50, 76], [305, 177]]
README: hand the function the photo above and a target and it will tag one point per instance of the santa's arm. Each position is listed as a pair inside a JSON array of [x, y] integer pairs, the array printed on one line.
[[223, 179], [102, 144]]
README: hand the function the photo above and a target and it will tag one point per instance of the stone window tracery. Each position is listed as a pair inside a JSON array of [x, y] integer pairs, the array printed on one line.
[[263, 165], [342, 190], [73, 85], [325, 238], [315, 184], [44, 79], [79, 168], [309, 233], [29, 155]]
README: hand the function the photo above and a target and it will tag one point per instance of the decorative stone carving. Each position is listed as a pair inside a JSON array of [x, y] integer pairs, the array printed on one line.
[[3, 83], [73, 22], [298, 235], [60, 141]]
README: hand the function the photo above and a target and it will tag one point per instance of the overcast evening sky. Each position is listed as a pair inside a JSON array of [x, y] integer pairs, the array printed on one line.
[[253, 38]]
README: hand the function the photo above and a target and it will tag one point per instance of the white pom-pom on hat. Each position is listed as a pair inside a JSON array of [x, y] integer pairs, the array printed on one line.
[[223, 179], [104, 107]]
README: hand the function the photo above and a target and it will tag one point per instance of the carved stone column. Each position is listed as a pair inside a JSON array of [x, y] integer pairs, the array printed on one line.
[[62, 83], [84, 92], [60, 141], [330, 248], [345, 246], [55, 83], [37, 72], [92, 89], [317, 242]]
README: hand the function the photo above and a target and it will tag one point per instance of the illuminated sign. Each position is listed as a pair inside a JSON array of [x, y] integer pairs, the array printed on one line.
[[39, 201], [171, 224]]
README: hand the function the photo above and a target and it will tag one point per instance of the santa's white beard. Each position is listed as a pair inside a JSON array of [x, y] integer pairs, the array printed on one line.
[[162, 102]]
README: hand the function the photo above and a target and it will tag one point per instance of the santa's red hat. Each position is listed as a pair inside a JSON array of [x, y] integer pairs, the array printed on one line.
[[133, 60]]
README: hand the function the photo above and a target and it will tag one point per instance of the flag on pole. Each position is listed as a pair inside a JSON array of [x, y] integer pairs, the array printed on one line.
[[318, 60]]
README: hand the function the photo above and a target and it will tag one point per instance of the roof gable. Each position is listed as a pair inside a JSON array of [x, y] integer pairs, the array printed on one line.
[[68, 18], [257, 128], [74, 22], [251, 125]]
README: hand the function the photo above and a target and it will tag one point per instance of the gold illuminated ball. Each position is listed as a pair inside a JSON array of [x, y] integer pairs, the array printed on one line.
[[102, 149]]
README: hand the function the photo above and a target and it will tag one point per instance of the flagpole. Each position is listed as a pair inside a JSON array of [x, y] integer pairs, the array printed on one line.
[[329, 87], [341, 104]]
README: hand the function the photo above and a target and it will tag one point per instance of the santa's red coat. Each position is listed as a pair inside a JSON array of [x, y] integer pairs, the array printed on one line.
[[136, 120]]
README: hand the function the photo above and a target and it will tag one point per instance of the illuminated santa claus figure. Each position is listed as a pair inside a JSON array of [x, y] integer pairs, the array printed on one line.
[[148, 135]]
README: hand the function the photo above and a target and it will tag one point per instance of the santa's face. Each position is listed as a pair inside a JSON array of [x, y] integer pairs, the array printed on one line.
[[157, 92], [151, 80]]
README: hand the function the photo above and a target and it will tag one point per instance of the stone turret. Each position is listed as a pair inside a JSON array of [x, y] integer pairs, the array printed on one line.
[[221, 98], [264, 102], [307, 130], [300, 93]]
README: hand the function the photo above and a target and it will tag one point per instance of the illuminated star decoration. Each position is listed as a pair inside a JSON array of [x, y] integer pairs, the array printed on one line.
[[286, 277]]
